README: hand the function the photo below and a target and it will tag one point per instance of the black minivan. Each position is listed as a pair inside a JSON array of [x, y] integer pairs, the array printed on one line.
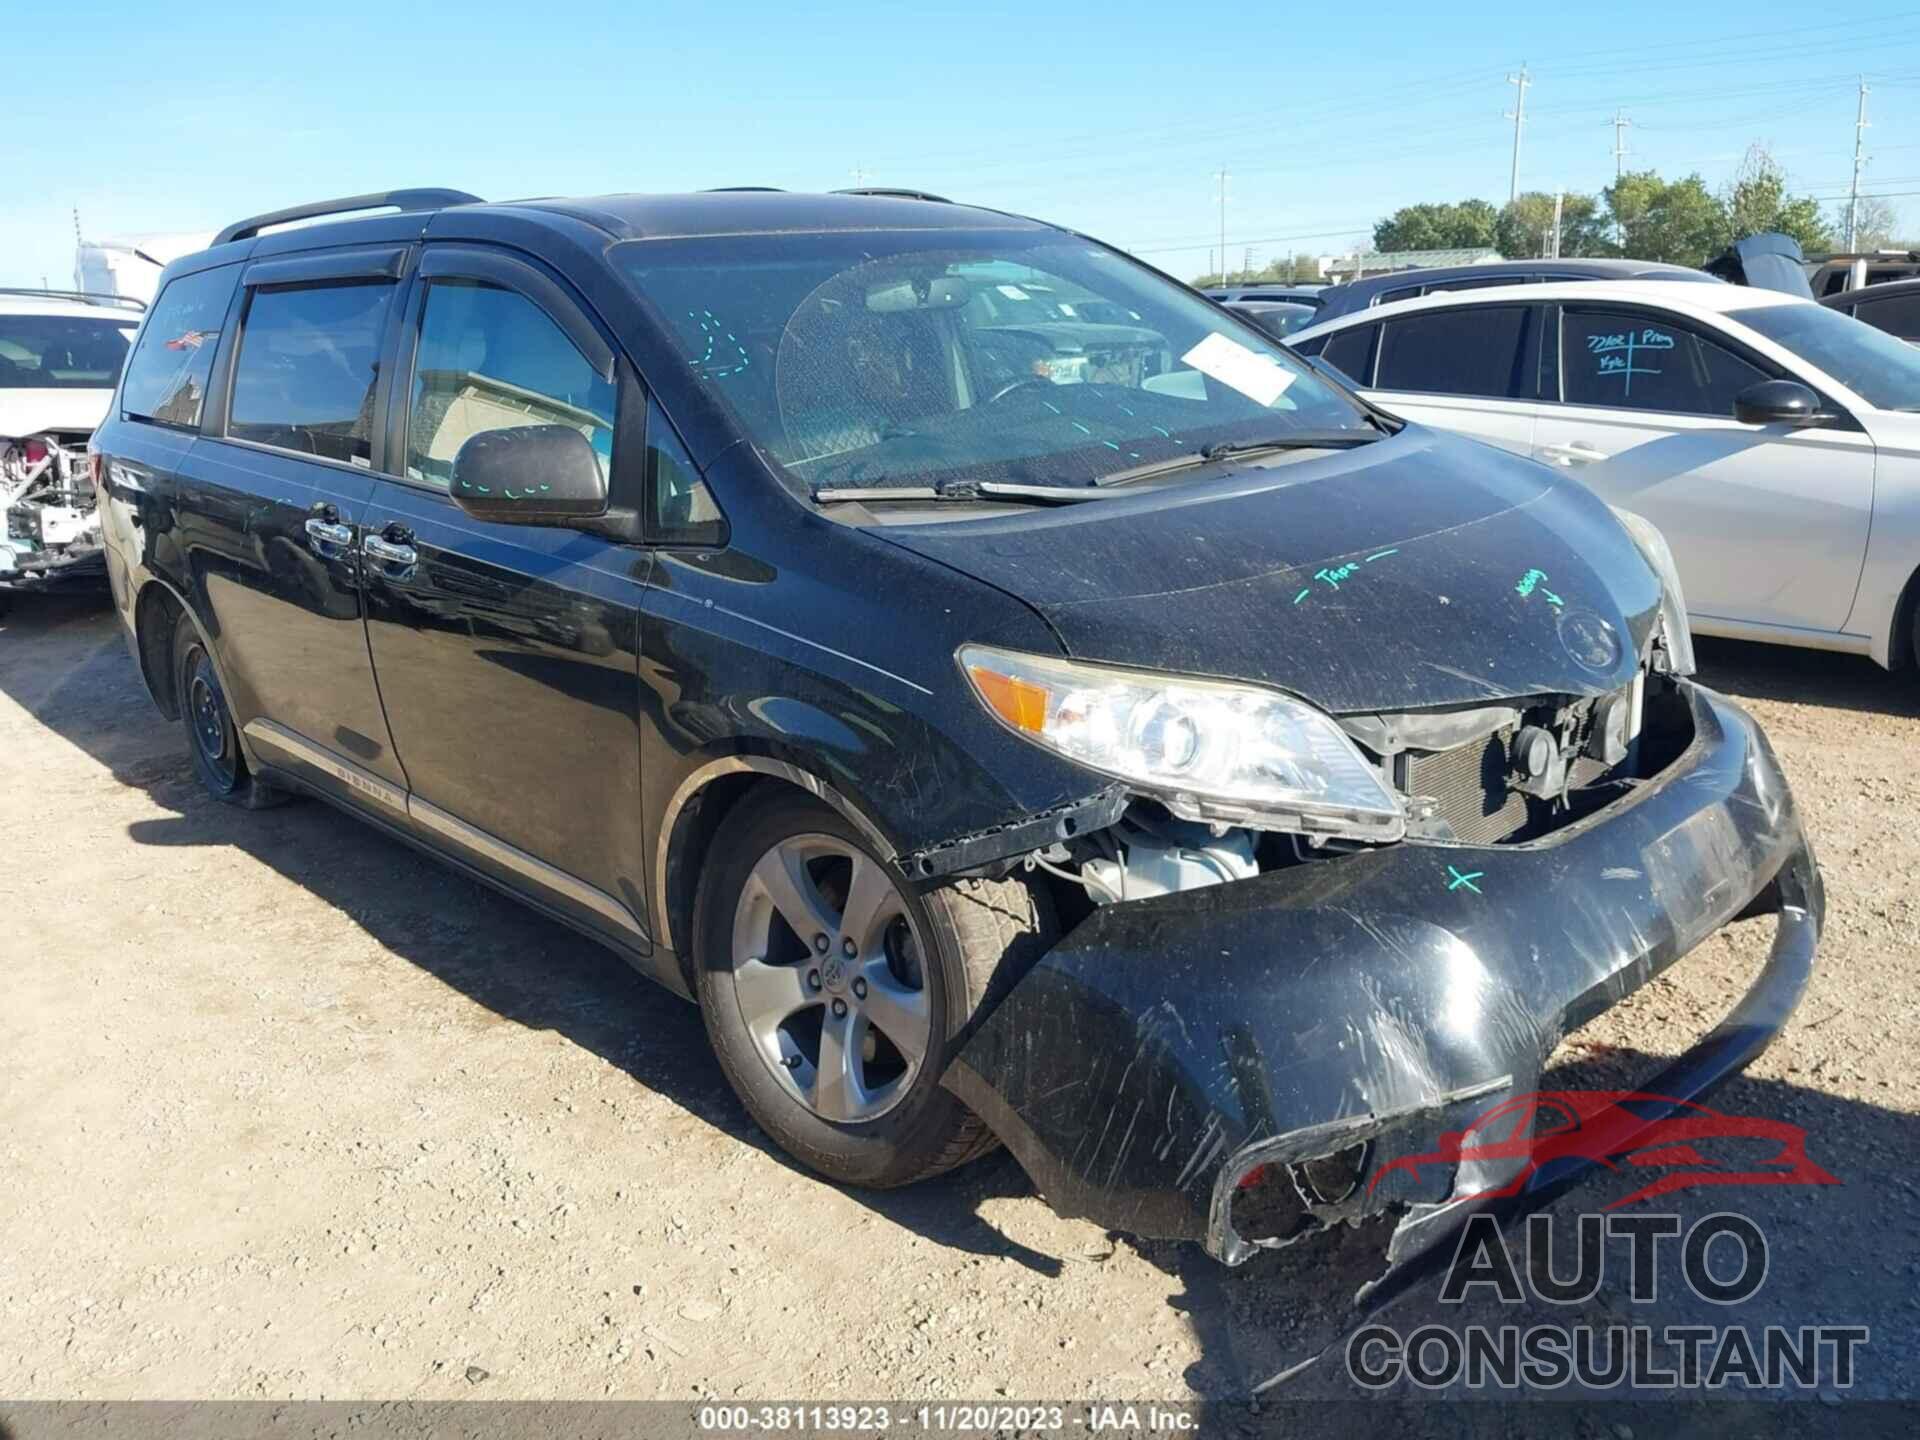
[[1109, 739]]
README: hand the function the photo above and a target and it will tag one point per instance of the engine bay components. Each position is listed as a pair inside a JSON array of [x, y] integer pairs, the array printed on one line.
[[48, 520], [1160, 859]]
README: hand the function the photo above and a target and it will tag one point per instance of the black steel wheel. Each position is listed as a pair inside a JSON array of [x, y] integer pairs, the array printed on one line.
[[213, 742]]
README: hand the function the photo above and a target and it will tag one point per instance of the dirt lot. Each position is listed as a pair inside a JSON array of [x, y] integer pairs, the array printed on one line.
[[289, 1111]]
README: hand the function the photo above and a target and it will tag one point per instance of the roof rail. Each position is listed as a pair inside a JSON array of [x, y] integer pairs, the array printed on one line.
[[890, 193], [84, 297], [377, 200]]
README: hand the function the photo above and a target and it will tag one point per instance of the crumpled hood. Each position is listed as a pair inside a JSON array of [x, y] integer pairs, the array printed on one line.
[[1421, 570], [30, 412]]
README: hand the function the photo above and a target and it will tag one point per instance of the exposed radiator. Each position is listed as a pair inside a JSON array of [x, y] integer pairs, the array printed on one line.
[[1470, 784]]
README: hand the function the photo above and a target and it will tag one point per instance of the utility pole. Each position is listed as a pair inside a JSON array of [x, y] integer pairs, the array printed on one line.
[[1246, 264], [1559, 201], [1222, 177], [1519, 117], [1620, 123], [1859, 164], [860, 176]]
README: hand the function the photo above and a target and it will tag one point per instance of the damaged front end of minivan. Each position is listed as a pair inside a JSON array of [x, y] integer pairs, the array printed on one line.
[[1246, 1028]]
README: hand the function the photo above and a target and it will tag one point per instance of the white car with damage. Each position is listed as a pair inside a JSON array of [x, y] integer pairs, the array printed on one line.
[[60, 355]]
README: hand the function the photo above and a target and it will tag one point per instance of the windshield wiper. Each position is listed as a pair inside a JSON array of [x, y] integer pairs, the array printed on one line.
[[1207, 454], [969, 492]]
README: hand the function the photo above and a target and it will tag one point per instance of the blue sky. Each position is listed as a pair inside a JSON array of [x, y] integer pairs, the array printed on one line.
[[1111, 118]]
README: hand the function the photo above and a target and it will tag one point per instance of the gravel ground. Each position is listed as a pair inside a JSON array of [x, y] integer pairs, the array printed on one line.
[[287, 1110]]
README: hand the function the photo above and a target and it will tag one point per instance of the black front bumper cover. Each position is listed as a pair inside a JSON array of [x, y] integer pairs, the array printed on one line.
[[1167, 1046]]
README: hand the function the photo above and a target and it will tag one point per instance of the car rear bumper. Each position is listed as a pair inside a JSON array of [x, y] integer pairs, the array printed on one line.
[[1167, 1047]]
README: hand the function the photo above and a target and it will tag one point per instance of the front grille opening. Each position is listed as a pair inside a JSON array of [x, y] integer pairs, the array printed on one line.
[[1474, 788]]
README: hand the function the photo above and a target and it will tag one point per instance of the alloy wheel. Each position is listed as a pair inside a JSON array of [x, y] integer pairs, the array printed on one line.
[[829, 977]]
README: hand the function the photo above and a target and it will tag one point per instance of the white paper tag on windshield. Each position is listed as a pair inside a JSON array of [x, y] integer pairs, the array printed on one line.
[[1233, 364], [1013, 292]]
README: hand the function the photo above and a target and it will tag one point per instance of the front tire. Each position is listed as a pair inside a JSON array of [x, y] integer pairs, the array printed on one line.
[[212, 741], [834, 995]]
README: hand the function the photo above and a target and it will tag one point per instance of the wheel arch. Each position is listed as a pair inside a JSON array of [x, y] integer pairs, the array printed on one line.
[[702, 800], [153, 642], [156, 614], [1903, 641]]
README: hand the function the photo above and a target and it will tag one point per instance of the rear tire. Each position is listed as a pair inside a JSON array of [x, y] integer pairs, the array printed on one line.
[[835, 1040], [213, 743]]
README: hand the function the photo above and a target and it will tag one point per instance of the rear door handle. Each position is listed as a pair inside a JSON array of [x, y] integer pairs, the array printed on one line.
[[381, 548], [1575, 452], [329, 532]]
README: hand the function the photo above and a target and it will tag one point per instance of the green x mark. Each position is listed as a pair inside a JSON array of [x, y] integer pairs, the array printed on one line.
[[1466, 880]]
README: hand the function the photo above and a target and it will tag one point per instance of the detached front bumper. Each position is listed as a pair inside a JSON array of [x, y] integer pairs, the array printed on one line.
[[88, 567], [1167, 1047]]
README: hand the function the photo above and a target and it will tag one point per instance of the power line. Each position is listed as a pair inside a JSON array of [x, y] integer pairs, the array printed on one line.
[[1257, 240]]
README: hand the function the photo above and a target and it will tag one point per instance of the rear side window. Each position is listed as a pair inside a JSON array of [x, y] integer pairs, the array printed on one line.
[[490, 359], [1351, 353], [304, 378], [166, 378], [1897, 314], [1474, 351], [1629, 361]]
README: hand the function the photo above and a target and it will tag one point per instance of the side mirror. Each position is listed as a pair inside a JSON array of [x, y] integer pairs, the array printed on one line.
[[1777, 402], [529, 475]]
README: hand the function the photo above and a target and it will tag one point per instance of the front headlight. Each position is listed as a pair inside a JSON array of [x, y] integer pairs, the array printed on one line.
[[1673, 606], [1206, 749]]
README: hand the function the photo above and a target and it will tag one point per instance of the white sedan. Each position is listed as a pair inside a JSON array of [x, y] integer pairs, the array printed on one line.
[[1775, 442]]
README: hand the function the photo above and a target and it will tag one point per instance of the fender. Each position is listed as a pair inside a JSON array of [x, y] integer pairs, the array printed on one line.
[[741, 764], [155, 581]]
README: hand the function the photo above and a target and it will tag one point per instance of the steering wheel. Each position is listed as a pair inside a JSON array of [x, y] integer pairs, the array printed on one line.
[[1021, 383]]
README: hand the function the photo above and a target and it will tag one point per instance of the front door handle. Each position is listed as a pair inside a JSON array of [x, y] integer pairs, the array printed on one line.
[[1575, 452], [381, 548], [329, 532]]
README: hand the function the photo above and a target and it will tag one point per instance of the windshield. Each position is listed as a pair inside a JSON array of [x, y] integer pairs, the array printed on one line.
[[59, 352], [866, 359], [1881, 370], [1276, 318]]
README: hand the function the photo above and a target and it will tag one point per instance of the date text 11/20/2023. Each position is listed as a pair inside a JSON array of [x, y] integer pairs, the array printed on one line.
[[956, 1418]]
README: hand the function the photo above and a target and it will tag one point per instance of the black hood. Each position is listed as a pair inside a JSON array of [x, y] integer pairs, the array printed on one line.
[[1420, 570]]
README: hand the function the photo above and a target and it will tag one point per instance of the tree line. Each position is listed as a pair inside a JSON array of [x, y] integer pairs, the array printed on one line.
[[1640, 215]]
